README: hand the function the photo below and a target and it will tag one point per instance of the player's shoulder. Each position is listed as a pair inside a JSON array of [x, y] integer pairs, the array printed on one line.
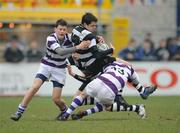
[[85, 32], [81, 29], [51, 37]]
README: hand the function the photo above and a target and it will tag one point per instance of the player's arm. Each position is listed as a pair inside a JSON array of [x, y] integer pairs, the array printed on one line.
[[100, 39], [65, 51], [123, 61], [76, 76], [93, 47], [100, 54], [96, 53]]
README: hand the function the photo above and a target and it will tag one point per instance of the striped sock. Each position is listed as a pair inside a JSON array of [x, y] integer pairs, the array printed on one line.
[[139, 87], [21, 109], [134, 80], [133, 108], [98, 108], [116, 107], [76, 102]]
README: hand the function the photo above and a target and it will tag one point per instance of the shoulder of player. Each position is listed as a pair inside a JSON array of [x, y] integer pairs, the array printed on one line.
[[52, 37], [81, 30]]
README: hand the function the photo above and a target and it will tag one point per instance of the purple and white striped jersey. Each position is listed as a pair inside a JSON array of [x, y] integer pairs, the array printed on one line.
[[51, 58], [116, 75]]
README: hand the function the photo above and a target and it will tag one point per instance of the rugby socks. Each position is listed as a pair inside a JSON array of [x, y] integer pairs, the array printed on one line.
[[76, 102], [135, 83], [139, 87], [21, 109], [97, 108], [116, 107], [64, 109]]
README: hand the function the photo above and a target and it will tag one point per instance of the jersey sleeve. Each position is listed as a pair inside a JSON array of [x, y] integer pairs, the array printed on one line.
[[52, 43]]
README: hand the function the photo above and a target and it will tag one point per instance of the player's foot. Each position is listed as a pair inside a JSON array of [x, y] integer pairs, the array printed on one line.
[[61, 113], [147, 91], [142, 111], [64, 117], [59, 116], [78, 116], [16, 116]]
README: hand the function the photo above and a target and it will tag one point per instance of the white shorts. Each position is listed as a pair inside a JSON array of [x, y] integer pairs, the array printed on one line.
[[100, 91], [53, 73]]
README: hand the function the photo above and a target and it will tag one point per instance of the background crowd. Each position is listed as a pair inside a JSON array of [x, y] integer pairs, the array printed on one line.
[[167, 49]]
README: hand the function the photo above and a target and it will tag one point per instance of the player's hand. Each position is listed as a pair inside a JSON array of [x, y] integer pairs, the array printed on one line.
[[83, 45], [100, 39], [111, 46], [76, 56]]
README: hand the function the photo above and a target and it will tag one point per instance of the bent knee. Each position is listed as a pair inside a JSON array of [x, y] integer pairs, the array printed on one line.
[[55, 99]]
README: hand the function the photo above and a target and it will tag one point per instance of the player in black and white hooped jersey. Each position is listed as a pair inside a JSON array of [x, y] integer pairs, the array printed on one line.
[[85, 31]]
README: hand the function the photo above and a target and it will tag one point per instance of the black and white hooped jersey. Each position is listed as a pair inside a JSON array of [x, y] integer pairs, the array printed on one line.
[[116, 75], [51, 58], [79, 34]]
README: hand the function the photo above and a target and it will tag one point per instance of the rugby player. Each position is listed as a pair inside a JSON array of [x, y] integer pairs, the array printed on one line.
[[52, 67]]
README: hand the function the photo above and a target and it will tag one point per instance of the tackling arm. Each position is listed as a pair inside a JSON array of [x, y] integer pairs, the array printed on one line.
[[76, 76]]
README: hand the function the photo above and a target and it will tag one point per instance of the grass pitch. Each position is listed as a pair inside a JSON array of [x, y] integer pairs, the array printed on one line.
[[163, 116]]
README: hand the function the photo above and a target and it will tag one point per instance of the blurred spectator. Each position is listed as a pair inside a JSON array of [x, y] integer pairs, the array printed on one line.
[[149, 38], [162, 52], [128, 53], [177, 55], [172, 47], [145, 52], [33, 53], [15, 39], [13, 53]]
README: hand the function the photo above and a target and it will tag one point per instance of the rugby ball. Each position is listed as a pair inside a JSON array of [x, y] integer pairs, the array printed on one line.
[[102, 46]]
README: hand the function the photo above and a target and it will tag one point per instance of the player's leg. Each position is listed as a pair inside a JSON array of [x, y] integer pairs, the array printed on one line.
[[144, 91], [77, 101], [58, 77], [97, 108], [41, 76], [117, 107], [87, 100], [57, 99], [91, 89], [104, 96], [27, 98]]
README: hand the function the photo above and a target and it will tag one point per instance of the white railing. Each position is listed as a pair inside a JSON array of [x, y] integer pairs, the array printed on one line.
[[15, 79]]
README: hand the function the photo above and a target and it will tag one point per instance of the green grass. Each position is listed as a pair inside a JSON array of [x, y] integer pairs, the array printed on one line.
[[163, 117]]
